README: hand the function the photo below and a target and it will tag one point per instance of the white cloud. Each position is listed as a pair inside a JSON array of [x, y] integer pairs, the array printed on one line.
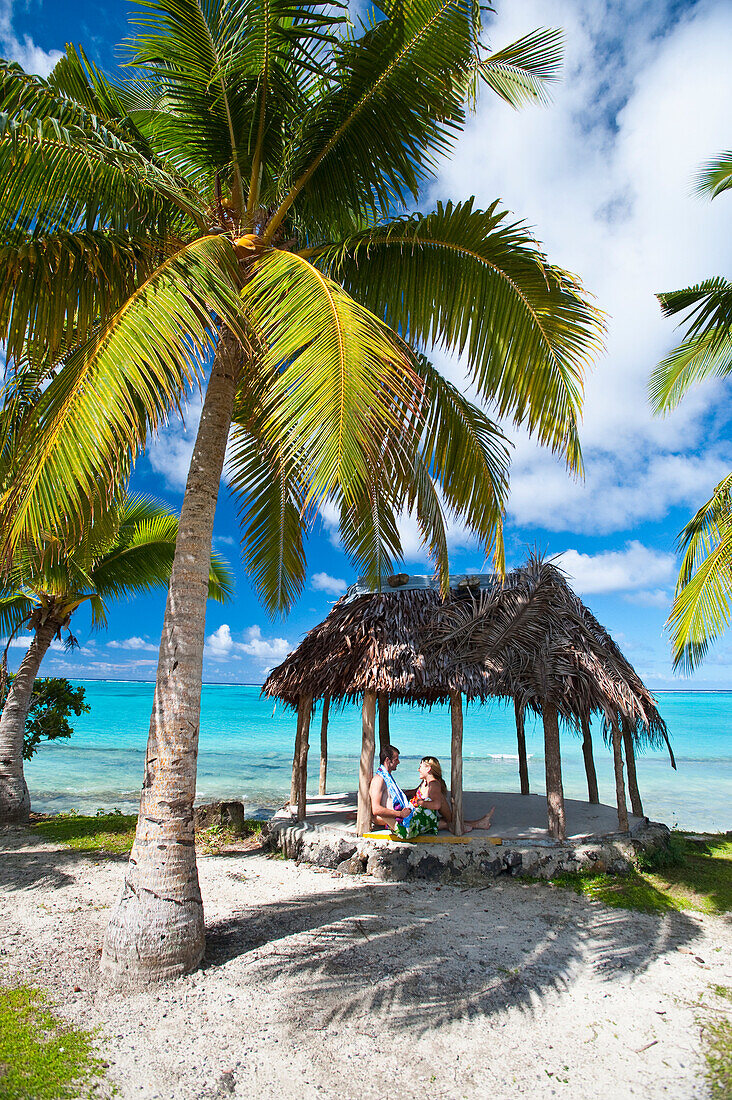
[[604, 175], [133, 643], [271, 649], [220, 643], [221, 646], [323, 582], [101, 668], [22, 641], [635, 567], [25, 52], [657, 597], [170, 452]]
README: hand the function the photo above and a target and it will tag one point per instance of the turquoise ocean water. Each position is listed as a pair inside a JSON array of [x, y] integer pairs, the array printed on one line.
[[246, 752]]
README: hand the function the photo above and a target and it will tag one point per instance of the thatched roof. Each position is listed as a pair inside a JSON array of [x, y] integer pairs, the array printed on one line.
[[526, 636]]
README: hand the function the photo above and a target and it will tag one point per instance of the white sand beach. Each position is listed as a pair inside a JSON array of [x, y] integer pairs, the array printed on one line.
[[323, 985]]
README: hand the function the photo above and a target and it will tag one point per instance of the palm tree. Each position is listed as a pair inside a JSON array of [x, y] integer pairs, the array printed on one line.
[[701, 608], [127, 551], [236, 199]]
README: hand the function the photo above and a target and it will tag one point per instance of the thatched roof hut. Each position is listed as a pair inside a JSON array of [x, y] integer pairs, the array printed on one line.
[[526, 636]]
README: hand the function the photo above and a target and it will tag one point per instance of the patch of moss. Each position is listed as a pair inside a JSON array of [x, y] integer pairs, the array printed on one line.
[[41, 1058], [107, 833], [692, 874]]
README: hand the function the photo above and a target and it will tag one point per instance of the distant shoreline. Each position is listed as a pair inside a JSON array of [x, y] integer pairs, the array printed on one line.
[[228, 683]]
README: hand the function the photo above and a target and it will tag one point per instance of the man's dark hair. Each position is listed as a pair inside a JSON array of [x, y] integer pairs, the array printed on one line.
[[388, 753]]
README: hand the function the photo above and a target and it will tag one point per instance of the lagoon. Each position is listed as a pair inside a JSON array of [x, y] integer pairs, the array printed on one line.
[[246, 752]]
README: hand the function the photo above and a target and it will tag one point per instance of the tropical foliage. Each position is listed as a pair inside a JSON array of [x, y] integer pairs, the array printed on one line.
[[246, 174], [701, 608], [126, 551], [53, 701]]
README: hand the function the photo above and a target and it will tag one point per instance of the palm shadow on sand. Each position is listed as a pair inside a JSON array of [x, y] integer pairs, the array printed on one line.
[[395, 950]]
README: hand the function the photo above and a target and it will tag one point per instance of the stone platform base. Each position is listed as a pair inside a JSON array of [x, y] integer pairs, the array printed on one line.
[[334, 844]]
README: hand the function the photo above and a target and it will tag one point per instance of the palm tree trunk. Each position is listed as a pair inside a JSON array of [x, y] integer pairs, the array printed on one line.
[[14, 796], [157, 928], [635, 798], [323, 778], [383, 722], [592, 791], [553, 767], [521, 738], [619, 780]]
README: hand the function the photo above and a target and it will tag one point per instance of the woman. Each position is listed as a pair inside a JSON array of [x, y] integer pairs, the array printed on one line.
[[431, 805]]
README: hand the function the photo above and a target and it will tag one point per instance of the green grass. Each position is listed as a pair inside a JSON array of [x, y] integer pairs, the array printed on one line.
[[691, 875], [114, 833], [41, 1058], [717, 1044], [111, 834]]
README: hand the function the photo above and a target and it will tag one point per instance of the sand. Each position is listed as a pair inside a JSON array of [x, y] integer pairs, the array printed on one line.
[[323, 985]]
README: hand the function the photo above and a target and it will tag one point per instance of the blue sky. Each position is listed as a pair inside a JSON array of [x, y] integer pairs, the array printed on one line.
[[604, 177]]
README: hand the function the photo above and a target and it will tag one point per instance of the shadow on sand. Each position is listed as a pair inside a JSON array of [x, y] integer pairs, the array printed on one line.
[[424, 956]]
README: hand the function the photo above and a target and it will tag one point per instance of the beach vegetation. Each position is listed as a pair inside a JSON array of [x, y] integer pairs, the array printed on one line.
[[104, 833], [53, 701], [696, 875], [113, 833], [232, 214], [41, 1056], [703, 599], [126, 550]]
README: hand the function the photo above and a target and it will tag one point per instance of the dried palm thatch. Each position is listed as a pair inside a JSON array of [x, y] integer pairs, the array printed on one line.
[[540, 645], [526, 636]]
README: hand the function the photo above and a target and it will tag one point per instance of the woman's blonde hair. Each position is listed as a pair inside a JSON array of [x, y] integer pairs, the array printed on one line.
[[436, 769]]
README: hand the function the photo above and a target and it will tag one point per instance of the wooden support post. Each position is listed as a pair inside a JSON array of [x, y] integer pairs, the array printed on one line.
[[366, 768], [619, 780], [324, 746], [305, 709], [635, 798], [383, 721], [592, 792], [553, 768], [456, 763], [523, 761], [295, 784]]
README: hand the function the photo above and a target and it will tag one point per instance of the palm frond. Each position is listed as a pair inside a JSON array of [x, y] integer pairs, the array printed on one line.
[[264, 481], [55, 177], [393, 105], [521, 73], [54, 288], [468, 455], [15, 608], [94, 416], [715, 176], [461, 279], [341, 376], [701, 608], [705, 352]]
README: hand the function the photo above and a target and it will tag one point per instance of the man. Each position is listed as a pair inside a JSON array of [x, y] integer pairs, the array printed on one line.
[[389, 803]]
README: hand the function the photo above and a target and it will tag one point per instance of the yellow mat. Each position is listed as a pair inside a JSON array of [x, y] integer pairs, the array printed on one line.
[[384, 834]]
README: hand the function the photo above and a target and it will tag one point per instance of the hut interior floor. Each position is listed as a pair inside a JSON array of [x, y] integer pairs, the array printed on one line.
[[516, 817]]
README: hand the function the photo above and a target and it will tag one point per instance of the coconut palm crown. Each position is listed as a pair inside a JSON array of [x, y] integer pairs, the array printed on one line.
[[702, 603], [246, 175], [238, 207], [125, 552]]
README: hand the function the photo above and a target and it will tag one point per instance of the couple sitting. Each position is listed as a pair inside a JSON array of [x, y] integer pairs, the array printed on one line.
[[424, 812]]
